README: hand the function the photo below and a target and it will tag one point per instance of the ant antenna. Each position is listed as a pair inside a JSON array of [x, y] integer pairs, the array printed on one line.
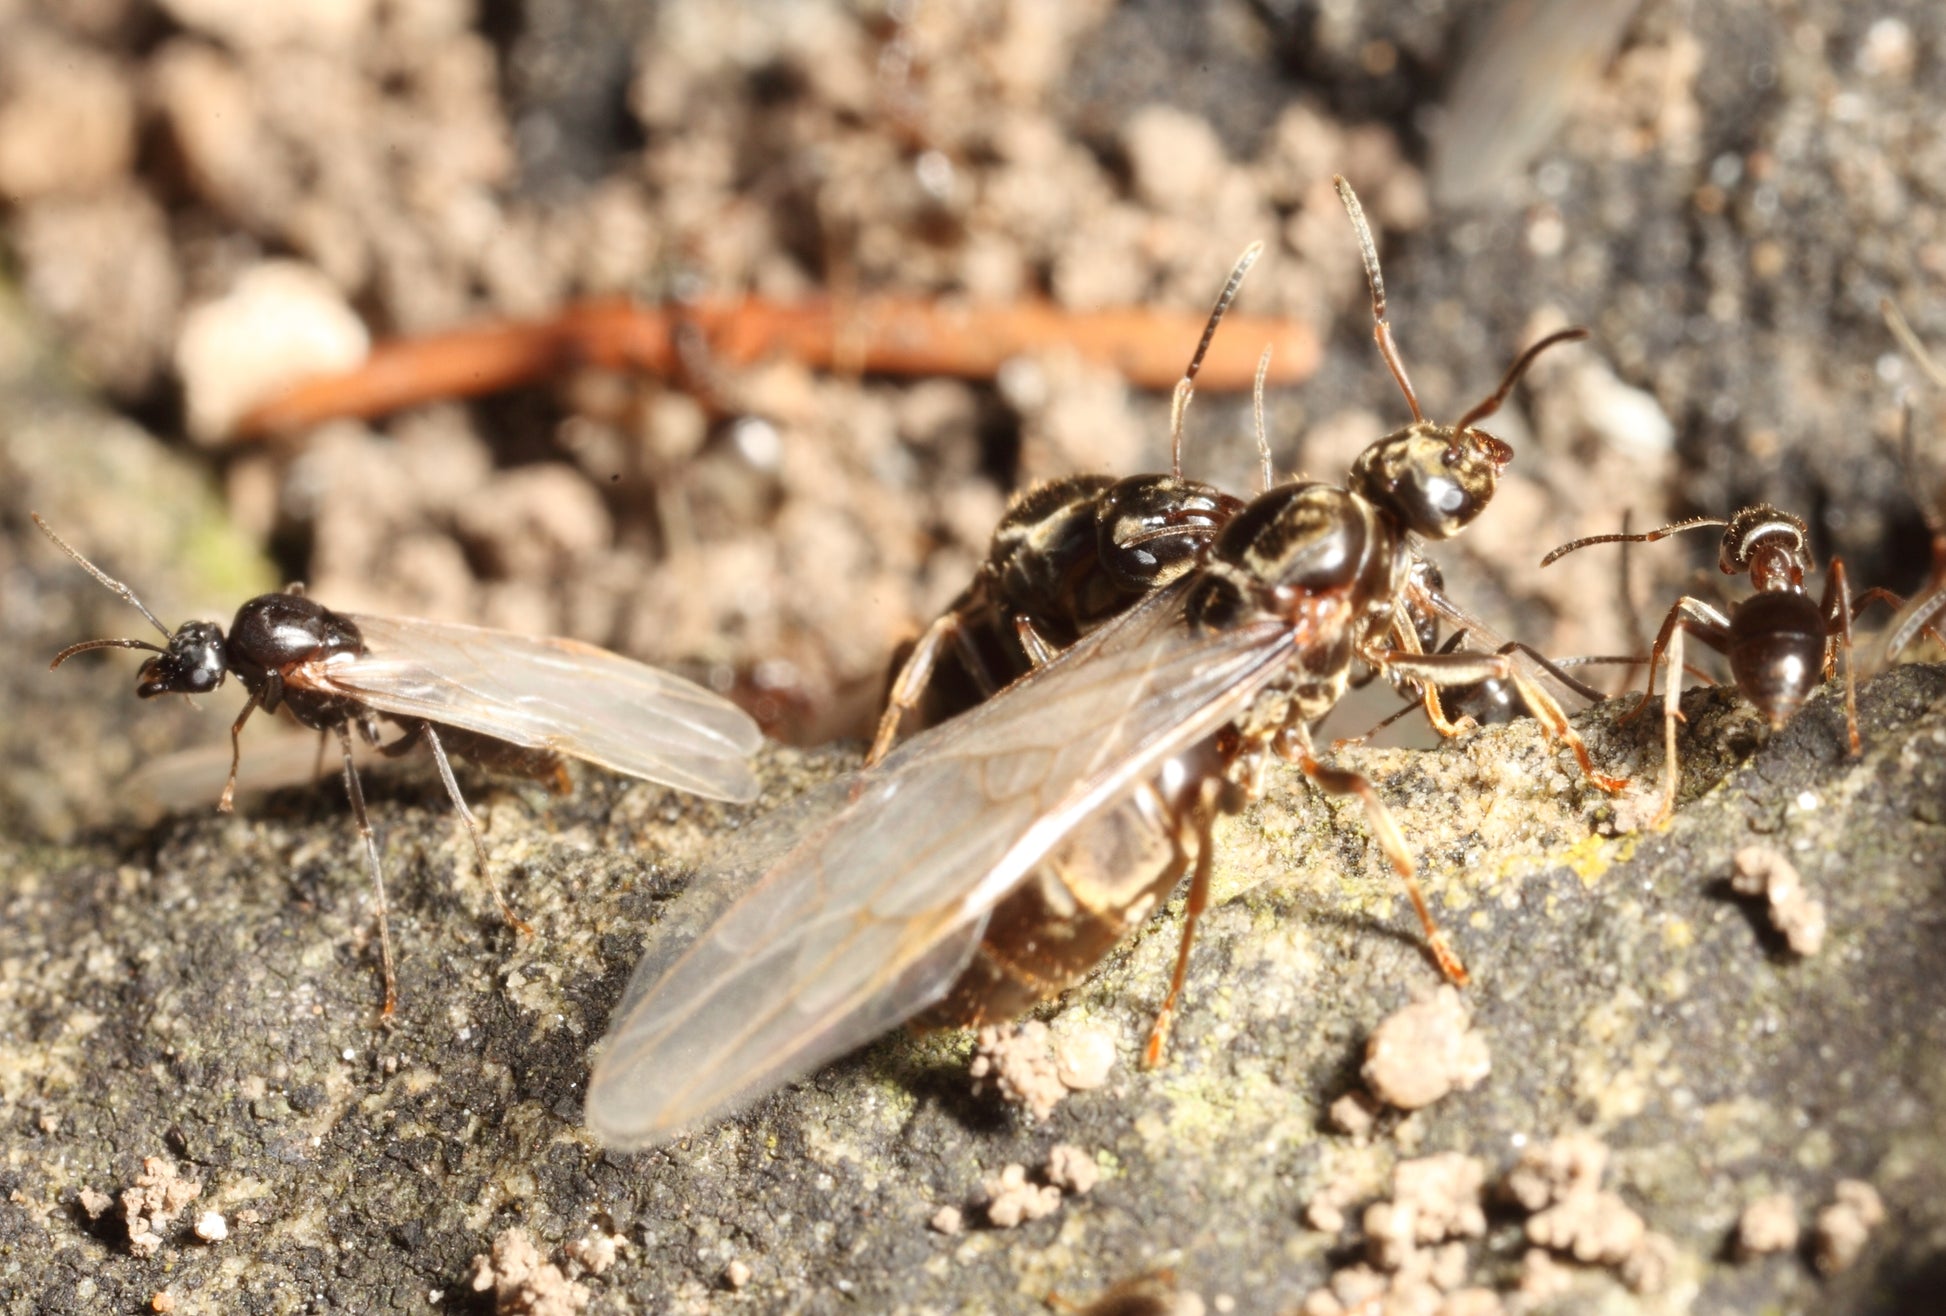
[[127, 594], [1902, 330], [1186, 386], [1263, 436], [1646, 537], [1381, 327], [1487, 406]]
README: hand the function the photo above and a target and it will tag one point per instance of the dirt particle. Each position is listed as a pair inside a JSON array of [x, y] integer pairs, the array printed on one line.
[[947, 1220], [523, 1282], [1760, 871], [1012, 1200], [1768, 1224], [1017, 1060], [595, 1253], [211, 1227], [281, 322], [1844, 1225], [1594, 1228], [94, 1202], [736, 1276], [152, 1205], [1556, 1170], [1424, 1051], [1071, 1169], [1083, 1058], [1355, 1114]]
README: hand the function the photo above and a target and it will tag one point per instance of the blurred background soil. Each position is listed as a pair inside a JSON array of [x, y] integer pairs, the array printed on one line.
[[202, 199]]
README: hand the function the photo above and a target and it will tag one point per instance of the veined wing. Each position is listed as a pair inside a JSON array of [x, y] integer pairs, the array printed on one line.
[[822, 935], [576, 699]]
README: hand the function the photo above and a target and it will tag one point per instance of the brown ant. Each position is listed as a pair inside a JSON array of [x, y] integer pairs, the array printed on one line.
[[992, 859], [1779, 642]]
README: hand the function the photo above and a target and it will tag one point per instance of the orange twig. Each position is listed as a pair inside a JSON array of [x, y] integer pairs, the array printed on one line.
[[893, 336]]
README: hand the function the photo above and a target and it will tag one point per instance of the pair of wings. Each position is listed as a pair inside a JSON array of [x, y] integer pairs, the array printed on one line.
[[853, 912], [562, 695]]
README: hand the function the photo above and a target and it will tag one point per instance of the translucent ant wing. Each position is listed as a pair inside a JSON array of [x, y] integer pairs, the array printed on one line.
[[827, 929], [554, 694]]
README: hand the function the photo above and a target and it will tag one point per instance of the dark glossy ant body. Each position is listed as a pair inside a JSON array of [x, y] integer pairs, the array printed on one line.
[[509, 702], [1780, 643], [992, 859]]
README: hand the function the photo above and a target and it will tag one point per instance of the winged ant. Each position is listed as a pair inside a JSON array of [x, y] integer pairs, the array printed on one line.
[[992, 858], [507, 701]]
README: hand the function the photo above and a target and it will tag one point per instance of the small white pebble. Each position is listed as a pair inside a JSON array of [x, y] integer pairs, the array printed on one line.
[[947, 1220], [736, 1274], [211, 1227]]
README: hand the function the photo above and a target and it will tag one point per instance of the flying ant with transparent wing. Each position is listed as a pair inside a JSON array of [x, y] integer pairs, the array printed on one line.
[[991, 859], [508, 702], [1781, 643]]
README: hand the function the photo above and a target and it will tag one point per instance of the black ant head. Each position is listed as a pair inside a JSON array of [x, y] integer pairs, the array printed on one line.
[[1431, 479], [194, 663]]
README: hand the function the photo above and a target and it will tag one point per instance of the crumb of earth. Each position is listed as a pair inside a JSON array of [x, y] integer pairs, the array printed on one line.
[[211, 1227], [595, 1253], [1083, 1057], [1768, 1224], [1844, 1225], [1420, 1053], [152, 1205], [1560, 1183], [164, 1302], [736, 1276], [947, 1220], [1758, 870], [94, 1202], [1033, 1070], [1415, 1259], [1018, 1061], [1071, 1169], [1554, 1171], [1355, 1114], [523, 1282], [1012, 1200]]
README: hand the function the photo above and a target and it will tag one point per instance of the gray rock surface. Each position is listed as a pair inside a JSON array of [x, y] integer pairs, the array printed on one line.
[[205, 991]]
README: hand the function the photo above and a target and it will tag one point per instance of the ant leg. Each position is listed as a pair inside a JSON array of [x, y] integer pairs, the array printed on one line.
[[911, 682], [1930, 610], [425, 729], [1433, 669], [1671, 714], [1032, 643], [226, 802], [1343, 781], [1194, 830], [1429, 690], [1837, 606], [356, 794]]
